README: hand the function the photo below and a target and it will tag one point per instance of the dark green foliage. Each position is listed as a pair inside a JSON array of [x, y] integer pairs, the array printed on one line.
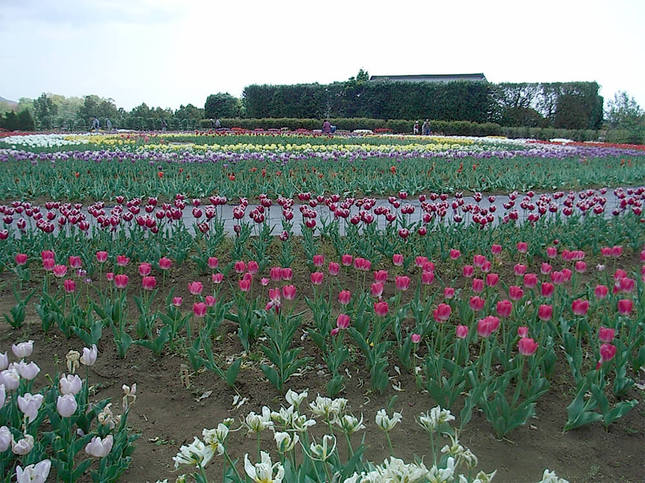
[[221, 105]]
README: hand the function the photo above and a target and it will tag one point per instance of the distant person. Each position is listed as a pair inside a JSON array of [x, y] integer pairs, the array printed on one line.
[[164, 125], [95, 124], [333, 129], [326, 127], [218, 123], [415, 129], [425, 129], [108, 125]]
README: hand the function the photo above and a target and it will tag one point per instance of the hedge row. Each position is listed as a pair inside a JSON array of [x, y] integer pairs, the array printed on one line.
[[449, 128]]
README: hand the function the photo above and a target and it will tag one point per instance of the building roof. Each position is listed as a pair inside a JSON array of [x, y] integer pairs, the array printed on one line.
[[430, 78]]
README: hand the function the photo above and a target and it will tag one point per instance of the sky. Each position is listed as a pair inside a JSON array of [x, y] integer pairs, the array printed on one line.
[[171, 52]]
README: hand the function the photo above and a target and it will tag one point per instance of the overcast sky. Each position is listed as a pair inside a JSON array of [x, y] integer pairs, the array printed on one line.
[[171, 52]]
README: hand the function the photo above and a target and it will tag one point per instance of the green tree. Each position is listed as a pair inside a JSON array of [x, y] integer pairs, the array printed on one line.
[[221, 105], [45, 111], [623, 112], [25, 122]]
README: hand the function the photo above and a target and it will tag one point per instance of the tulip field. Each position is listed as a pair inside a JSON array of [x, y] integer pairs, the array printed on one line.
[[285, 306]]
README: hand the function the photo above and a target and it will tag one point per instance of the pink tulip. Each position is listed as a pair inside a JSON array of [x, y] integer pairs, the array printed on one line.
[[334, 268], [492, 279], [545, 312], [427, 277], [523, 331], [217, 278], [109, 276], [616, 251], [462, 331], [420, 261], [546, 268], [289, 292], [478, 285], [580, 306], [607, 352], [415, 338], [286, 273], [605, 251], [546, 289], [144, 269], [240, 266], [46, 254], [601, 291], [121, 280], [209, 300], [487, 325], [448, 292], [213, 262], [566, 273], [468, 271], [376, 289], [552, 252], [581, 267], [530, 280], [515, 292], [504, 308], [402, 282], [344, 297], [244, 285], [101, 256], [165, 263], [195, 288], [316, 278], [69, 285], [176, 301], [362, 264], [442, 312], [476, 303], [454, 254], [381, 308], [380, 276], [319, 260], [122, 260], [522, 247], [48, 264], [496, 249], [148, 283], [253, 267], [519, 269], [627, 284], [527, 346], [275, 273], [397, 259], [59, 270], [74, 261], [199, 309], [346, 260], [479, 260], [335, 331], [606, 334], [625, 306], [342, 322], [21, 258]]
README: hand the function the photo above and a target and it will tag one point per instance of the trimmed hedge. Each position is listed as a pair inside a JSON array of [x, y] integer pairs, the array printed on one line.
[[448, 128]]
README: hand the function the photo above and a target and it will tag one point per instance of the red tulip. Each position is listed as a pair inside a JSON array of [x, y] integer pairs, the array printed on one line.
[[244, 285], [478, 285], [286, 274], [468, 271], [346, 260], [601, 291], [546, 268], [380, 276], [75, 261], [319, 260], [59, 270], [492, 279], [448, 292], [148, 283], [546, 289], [240, 267], [522, 247], [213, 262], [275, 273], [334, 268], [402, 282], [530, 280], [427, 277], [496, 249], [253, 267], [454, 254], [552, 252], [21, 258], [581, 267], [101, 256], [122, 260], [69, 285], [144, 269], [479, 260]]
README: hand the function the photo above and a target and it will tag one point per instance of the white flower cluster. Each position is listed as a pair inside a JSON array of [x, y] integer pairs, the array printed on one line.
[[42, 141]]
